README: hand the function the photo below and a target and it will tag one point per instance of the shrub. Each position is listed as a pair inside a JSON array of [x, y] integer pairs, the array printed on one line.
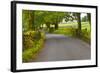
[[32, 43], [31, 53], [51, 30], [28, 39], [86, 35], [37, 35]]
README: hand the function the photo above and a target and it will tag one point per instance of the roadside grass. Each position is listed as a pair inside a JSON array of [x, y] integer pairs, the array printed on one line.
[[70, 30], [64, 31]]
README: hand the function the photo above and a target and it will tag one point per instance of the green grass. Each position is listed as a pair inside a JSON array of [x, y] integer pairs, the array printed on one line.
[[68, 24], [69, 30], [64, 31]]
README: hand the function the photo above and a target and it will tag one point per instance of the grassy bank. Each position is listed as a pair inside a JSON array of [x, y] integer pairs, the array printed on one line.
[[70, 30], [30, 52]]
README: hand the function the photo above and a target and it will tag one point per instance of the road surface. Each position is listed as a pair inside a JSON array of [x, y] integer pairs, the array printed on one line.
[[59, 48]]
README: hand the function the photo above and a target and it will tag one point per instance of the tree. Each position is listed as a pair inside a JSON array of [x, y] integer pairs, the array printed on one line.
[[31, 20], [28, 19], [53, 18], [84, 19], [89, 17], [58, 17], [25, 20], [71, 16], [39, 18], [79, 23]]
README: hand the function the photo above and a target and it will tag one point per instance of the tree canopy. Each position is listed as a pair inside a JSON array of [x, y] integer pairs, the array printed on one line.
[[34, 19]]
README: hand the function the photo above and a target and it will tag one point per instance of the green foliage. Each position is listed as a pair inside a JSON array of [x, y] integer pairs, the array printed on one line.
[[28, 38], [53, 18], [31, 52], [75, 16], [33, 37], [71, 30], [28, 19], [34, 19], [84, 19], [89, 17], [86, 35], [25, 19], [39, 18], [71, 16]]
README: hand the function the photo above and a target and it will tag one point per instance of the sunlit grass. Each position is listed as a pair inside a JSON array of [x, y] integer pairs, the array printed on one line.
[[70, 30]]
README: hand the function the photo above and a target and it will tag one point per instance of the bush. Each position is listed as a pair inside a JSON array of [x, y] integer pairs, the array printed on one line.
[[86, 35], [51, 30], [33, 42], [37, 35], [28, 39], [31, 53]]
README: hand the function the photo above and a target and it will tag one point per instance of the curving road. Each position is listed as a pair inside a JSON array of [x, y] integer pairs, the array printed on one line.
[[59, 47]]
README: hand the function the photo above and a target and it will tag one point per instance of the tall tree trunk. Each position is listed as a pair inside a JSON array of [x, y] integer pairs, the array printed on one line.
[[79, 24], [89, 19], [56, 26], [31, 20], [48, 26]]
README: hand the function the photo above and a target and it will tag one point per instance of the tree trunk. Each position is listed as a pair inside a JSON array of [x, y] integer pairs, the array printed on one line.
[[56, 26], [48, 26], [89, 18], [30, 20], [79, 24]]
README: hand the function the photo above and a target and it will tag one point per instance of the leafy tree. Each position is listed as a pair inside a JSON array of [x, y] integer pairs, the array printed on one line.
[[39, 19], [84, 19], [47, 19], [57, 18], [53, 18], [25, 19], [71, 16], [28, 19], [31, 19]]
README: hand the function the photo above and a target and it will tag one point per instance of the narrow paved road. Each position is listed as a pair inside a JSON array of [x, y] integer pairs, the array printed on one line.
[[59, 47]]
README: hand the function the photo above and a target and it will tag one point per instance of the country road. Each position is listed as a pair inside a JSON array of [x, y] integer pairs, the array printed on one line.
[[59, 47]]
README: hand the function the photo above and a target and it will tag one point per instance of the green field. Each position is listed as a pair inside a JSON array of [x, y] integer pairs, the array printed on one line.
[[70, 30]]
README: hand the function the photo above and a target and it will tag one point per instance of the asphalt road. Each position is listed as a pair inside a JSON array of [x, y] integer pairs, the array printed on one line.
[[59, 48]]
